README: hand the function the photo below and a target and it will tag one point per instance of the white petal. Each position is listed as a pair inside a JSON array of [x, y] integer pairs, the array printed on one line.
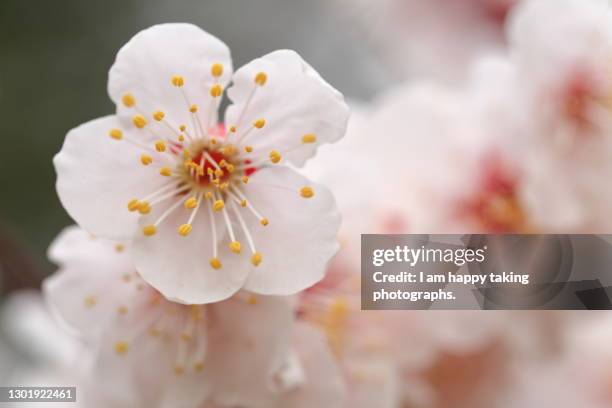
[[295, 101], [301, 237], [88, 288], [146, 64], [179, 266], [97, 176], [249, 341], [324, 385]]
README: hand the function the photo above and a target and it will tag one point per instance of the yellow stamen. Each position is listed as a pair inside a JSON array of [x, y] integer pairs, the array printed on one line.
[[149, 230], [208, 195], [229, 150], [160, 146], [310, 138], [182, 128], [119, 247], [146, 159], [116, 134], [128, 100], [139, 121], [122, 310], [184, 229], [256, 258], [275, 156], [218, 205], [264, 221], [159, 116], [261, 78], [215, 263], [121, 347], [245, 179], [219, 173], [181, 138], [179, 370], [191, 203], [144, 207], [165, 171], [217, 69], [243, 203], [193, 108], [252, 300], [232, 129], [259, 123], [216, 90], [307, 192], [198, 367], [248, 149], [178, 80], [235, 247], [90, 301], [133, 205]]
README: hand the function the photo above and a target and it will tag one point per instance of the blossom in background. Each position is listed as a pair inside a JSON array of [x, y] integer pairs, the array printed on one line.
[[195, 193], [153, 352]]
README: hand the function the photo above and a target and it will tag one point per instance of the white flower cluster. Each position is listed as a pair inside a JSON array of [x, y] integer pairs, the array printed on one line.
[[200, 277]]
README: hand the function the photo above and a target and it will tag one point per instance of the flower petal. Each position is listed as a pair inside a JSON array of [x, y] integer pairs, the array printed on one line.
[[88, 288], [301, 236], [97, 176], [179, 266], [295, 101], [249, 340], [145, 66]]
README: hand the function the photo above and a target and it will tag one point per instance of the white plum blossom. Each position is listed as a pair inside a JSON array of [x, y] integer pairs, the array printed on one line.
[[151, 352], [211, 205]]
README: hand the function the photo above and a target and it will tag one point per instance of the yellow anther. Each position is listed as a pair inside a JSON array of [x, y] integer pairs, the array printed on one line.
[[119, 247], [223, 186], [146, 159], [261, 78], [90, 301], [191, 203], [158, 116], [235, 247], [245, 179], [310, 138], [116, 134], [128, 100], [139, 121], [216, 90], [133, 205], [182, 128], [179, 370], [184, 229], [215, 263], [144, 207], [218, 205], [275, 156], [178, 80], [210, 171], [165, 171], [243, 203], [126, 277], [230, 168], [160, 146], [264, 221], [198, 367], [232, 129], [186, 153], [259, 123], [252, 300], [307, 192], [181, 138], [149, 230], [223, 163], [122, 310], [213, 141], [229, 150], [216, 182], [219, 173], [216, 69], [256, 258], [208, 195], [121, 347], [193, 108], [248, 149]]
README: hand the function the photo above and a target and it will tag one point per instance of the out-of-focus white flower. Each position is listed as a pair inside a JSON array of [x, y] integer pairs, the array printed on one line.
[[156, 353], [561, 51], [202, 191], [438, 38]]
